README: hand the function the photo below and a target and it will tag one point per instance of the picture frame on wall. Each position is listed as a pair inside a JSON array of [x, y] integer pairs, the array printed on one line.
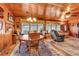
[[1, 12], [8, 27], [10, 18], [1, 25]]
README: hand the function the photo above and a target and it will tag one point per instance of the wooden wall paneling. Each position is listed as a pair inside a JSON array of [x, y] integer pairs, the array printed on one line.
[[1, 42], [10, 39], [5, 38]]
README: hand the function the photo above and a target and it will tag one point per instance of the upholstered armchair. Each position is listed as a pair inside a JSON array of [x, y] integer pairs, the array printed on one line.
[[56, 37]]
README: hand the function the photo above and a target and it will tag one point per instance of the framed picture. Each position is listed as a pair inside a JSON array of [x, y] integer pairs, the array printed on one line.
[[10, 18], [1, 25], [8, 27], [1, 12]]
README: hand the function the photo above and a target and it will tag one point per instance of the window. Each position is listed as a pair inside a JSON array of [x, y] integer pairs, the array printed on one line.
[[53, 27], [48, 27], [25, 28], [40, 27], [56, 27], [33, 27]]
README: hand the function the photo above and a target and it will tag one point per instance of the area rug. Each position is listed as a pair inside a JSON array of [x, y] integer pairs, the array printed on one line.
[[43, 50]]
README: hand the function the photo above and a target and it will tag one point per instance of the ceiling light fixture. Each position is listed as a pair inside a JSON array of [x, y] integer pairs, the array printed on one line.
[[68, 9], [67, 16], [30, 19], [34, 19], [63, 16]]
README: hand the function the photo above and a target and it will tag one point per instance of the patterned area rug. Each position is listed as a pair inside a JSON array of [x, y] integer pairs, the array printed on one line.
[[43, 50]]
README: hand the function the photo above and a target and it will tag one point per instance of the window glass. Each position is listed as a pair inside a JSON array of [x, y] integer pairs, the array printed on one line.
[[40, 27], [25, 28], [33, 27], [53, 27], [58, 27], [48, 27]]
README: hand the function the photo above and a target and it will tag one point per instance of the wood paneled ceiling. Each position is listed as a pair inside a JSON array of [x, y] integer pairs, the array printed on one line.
[[44, 11]]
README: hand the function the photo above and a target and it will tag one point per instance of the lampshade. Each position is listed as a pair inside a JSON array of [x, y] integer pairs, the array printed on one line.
[[67, 16], [29, 19], [34, 19]]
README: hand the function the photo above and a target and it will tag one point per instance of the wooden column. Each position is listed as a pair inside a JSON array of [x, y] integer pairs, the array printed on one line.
[[44, 13], [62, 27], [44, 25]]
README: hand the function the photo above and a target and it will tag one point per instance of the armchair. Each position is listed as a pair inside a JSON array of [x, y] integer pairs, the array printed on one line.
[[56, 36]]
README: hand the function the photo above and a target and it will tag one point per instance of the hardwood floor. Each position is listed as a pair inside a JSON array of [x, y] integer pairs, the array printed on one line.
[[69, 47], [48, 47]]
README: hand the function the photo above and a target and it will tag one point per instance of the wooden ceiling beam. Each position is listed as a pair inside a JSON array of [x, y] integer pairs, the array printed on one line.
[[16, 9], [44, 11], [39, 18], [37, 10]]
